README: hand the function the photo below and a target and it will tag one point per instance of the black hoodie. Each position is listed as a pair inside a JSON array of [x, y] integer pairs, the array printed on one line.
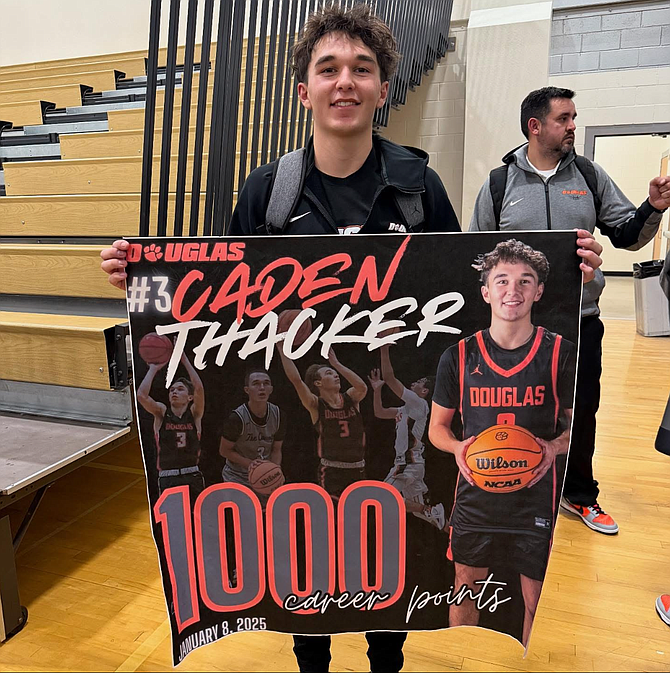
[[403, 169]]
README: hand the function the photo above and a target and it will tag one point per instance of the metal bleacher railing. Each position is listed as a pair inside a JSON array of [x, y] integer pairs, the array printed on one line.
[[272, 121]]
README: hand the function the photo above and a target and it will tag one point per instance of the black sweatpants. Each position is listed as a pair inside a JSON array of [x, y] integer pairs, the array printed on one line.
[[580, 487], [384, 652]]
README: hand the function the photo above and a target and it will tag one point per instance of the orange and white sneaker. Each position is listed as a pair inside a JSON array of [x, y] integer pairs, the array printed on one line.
[[663, 608], [593, 516]]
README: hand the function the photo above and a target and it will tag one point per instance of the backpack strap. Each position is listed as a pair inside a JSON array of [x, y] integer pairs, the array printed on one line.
[[497, 185], [588, 171], [285, 190], [411, 207]]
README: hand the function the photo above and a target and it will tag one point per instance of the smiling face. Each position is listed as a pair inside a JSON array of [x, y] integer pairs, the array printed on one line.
[[511, 290], [343, 88], [556, 134], [259, 388]]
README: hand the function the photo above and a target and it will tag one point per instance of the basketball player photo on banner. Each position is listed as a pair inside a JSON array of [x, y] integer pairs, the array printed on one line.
[[353, 433]]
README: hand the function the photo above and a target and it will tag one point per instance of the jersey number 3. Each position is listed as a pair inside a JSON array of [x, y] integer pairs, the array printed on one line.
[[344, 428]]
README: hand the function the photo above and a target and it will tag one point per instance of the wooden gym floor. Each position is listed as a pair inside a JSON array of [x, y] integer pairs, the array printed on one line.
[[88, 569]]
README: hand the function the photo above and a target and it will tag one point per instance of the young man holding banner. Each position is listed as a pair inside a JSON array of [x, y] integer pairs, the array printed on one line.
[[350, 180]]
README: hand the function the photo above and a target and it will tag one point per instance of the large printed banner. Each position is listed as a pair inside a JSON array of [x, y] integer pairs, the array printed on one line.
[[353, 433]]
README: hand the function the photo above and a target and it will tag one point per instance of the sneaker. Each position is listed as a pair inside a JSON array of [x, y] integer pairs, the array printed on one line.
[[663, 608], [435, 515], [593, 516]]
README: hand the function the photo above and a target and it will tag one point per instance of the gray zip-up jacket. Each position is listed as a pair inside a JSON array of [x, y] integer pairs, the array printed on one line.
[[565, 202]]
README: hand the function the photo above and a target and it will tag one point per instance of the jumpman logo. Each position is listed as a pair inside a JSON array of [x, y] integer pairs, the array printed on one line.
[[477, 371]]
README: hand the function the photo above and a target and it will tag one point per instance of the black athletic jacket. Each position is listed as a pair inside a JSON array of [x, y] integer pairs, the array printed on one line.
[[403, 169]]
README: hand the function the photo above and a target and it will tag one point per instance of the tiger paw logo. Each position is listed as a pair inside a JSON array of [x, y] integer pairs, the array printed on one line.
[[153, 252], [501, 436]]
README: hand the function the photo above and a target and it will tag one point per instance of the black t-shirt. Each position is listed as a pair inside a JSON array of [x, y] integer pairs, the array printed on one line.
[[349, 200]]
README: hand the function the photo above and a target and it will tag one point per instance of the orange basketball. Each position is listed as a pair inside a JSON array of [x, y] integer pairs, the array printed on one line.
[[154, 349], [502, 458], [286, 319], [265, 477]]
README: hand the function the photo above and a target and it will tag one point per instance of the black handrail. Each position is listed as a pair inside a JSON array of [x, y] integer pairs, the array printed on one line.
[[259, 122]]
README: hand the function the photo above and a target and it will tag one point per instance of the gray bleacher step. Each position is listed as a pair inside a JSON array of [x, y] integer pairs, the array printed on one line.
[[18, 152], [102, 308], [13, 133], [2, 178], [75, 127], [87, 109]]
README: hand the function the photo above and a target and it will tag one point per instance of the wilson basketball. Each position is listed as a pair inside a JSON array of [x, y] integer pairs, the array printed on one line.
[[502, 458], [286, 319], [155, 349], [265, 477]]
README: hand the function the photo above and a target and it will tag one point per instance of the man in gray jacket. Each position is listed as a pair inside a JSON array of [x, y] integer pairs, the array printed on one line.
[[545, 185]]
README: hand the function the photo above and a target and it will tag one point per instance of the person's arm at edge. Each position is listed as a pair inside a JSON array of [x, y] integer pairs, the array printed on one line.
[[626, 226], [251, 203], [483, 217], [438, 212]]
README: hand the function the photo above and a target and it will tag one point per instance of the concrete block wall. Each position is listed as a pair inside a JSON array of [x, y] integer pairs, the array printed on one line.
[[434, 119], [640, 96], [610, 37]]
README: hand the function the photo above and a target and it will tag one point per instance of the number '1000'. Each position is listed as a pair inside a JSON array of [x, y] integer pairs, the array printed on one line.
[[206, 547]]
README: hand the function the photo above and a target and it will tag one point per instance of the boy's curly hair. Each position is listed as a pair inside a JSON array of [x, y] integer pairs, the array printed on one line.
[[512, 252], [357, 22]]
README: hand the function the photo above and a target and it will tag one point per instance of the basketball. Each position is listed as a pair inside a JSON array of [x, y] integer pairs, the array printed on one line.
[[286, 319], [265, 477], [154, 349], [502, 458]]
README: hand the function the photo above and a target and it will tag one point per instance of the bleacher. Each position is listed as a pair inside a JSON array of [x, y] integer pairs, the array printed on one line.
[[71, 177]]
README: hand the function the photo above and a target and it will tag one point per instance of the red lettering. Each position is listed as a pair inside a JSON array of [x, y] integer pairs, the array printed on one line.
[[173, 252], [180, 293], [528, 399], [474, 397], [367, 276], [190, 253], [265, 283], [224, 296], [134, 252], [311, 283], [539, 395], [236, 252], [220, 252], [202, 253]]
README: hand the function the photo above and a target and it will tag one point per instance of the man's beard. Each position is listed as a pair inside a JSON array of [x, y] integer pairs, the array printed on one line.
[[566, 148], [559, 152]]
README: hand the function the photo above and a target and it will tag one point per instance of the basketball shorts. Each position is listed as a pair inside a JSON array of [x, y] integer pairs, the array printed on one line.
[[335, 479], [409, 480], [194, 480], [528, 554]]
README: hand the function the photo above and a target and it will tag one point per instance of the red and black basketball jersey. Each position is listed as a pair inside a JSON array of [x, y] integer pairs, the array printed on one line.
[[177, 441], [341, 431], [530, 387]]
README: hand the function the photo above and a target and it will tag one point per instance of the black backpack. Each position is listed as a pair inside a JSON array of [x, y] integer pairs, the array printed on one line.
[[286, 188], [498, 183]]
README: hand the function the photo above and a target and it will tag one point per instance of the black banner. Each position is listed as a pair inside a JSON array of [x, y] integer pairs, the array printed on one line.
[[353, 433]]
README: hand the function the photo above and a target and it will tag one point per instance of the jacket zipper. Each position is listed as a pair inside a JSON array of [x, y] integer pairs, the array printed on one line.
[[546, 198]]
